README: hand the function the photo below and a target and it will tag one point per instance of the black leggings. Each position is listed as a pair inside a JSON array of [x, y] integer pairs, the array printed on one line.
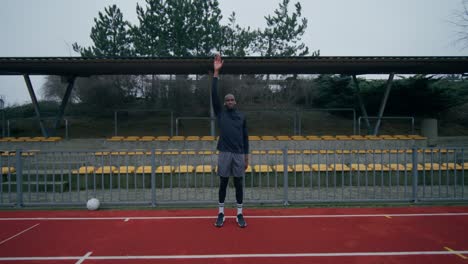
[[223, 183]]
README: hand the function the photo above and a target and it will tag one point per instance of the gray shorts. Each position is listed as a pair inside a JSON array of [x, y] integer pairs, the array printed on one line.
[[231, 164]]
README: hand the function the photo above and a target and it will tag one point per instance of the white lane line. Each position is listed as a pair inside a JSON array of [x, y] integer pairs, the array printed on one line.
[[211, 216], [84, 258], [219, 256], [127, 219], [19, 233]]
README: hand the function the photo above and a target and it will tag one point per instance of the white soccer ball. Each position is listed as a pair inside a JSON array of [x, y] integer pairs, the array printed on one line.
[[93, 204]]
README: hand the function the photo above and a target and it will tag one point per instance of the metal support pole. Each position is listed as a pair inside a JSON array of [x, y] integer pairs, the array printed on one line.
[[153, 178], [285, 177], [361, 101], [212, 123], [415, 175], [66, 128], [19, 179], [115, 123], [172, 123], [65, 99], [35, 104], [384, 102]]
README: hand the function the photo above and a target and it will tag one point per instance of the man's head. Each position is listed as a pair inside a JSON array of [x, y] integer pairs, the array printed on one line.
[[229, 101]]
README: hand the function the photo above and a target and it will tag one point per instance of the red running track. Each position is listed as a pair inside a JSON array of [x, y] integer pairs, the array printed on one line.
[[338, 235]]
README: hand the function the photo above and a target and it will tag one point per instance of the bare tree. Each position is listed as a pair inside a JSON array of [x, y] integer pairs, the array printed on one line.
[[461, 22]]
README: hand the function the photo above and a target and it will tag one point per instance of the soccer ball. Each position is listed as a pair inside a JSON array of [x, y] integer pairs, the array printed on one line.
[[93, 204]]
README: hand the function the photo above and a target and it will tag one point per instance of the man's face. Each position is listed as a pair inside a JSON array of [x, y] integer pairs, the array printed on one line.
[[229, 101]]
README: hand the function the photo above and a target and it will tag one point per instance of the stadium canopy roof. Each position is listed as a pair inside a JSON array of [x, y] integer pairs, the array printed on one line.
[[72, 67], [81, 66]]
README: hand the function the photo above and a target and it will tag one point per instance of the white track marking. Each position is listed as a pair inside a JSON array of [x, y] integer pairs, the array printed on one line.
[[19, 233], [127, 219], [213, 216], [84, 257], [221, 256]]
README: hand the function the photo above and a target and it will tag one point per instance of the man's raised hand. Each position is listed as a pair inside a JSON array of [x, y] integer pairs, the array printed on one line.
[[217, 65]]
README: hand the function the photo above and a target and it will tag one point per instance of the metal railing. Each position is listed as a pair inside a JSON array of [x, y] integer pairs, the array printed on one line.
[[9, 121], [278, 176]]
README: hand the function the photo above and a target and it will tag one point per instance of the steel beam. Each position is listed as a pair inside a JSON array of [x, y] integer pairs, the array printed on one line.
[[35, 104], [384, 102]]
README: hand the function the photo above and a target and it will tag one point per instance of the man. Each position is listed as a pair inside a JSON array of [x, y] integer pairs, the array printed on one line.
[[233, 147]]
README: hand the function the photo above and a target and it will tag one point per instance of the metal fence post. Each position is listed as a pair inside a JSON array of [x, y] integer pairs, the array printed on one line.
[[153, 178], [285, 177], [19, 179], [415, 174]]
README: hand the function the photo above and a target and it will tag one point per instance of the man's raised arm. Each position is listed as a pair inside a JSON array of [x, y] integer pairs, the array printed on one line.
[[217, 65]]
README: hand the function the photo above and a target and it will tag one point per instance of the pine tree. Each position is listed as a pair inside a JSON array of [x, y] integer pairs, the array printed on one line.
[[282, 36], [110, 36]]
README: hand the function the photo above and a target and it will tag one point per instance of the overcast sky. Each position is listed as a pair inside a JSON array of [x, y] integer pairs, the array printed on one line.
[[38, 28]]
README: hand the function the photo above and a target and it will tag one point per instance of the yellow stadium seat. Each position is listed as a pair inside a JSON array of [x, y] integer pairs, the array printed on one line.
[[378, 167], [207, 138], [326, 151], [259, 152], [6, 170], [84, 170], [162, 138], [313, 138], [118, 153], [320, 167], [294, 152], [300, 167], [298, 138], [143, 169], [248, 170], [309, 151], [192, 138], [358, 167], [357, 137], [206, 152], [165, 169], [268, 138], [409, 166], [343, 137], [136, 153], [106, 170], [277, 152], [102, 153], [451, 166], [131, 138], [203, 169], [170, 152], [254, 138], [177, 138], [147, 138], [340, 167], [190, 152], [280, 168], [126, 169], [431, 166], [465, 165], [184, 169], [283, 138], [417, 137], [344, 151], [328, 137], [115, 138], [262, 168], [396, 167], [370, 137]]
